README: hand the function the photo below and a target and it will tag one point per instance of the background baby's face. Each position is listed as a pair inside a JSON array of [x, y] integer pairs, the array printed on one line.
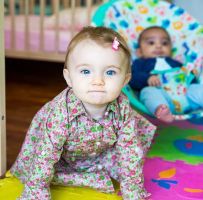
[[154, 43]]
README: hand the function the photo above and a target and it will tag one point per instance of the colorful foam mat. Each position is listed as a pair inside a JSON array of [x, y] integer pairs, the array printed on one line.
[[174, 164]]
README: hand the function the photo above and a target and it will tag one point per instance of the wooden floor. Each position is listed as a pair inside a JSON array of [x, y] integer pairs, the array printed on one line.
[[29, 85]]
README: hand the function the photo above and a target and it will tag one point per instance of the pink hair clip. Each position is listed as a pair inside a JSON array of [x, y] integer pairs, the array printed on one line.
[[115, 44]]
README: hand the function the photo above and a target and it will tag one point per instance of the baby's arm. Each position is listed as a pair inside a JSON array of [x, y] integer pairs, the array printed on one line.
[[140, 76], [41, 171], [134, 139], [195, 73], [41, 150]]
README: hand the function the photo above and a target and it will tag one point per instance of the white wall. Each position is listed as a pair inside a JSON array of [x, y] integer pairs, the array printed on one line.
[[194, 7]]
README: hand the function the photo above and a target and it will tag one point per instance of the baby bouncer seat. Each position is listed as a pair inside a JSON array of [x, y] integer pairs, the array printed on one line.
[[130, 17]]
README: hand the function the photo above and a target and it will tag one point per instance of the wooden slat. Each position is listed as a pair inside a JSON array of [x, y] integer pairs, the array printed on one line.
[[32, 6], [42, 9], [12, 14], [2, 97], [66, 3], [73, 5], [27, 34], [21, 6], [56, 12]]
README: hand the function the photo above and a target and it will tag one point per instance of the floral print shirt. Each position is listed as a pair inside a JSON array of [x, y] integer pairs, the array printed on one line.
[[65, 146]]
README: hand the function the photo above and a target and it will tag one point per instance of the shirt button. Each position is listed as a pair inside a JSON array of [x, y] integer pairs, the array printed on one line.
[[98, 143]]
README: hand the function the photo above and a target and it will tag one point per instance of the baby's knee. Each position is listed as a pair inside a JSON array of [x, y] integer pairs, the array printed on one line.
[[148, 89], [149, 93]]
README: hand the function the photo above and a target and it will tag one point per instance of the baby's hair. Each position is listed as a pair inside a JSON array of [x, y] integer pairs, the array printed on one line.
[[150, 28], [101, 35]]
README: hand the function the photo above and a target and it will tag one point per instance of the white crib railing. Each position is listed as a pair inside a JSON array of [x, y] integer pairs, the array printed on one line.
[[26, 8]]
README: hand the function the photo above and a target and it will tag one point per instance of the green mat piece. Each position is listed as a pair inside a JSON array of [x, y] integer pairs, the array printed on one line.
[[163, 146]]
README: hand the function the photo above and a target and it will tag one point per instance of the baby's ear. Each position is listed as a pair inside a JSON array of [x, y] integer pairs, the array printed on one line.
[[66, 75], [127, 78]]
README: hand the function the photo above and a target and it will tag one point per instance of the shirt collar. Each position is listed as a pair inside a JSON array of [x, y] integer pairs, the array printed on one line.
[[113, 106], [76, 108]]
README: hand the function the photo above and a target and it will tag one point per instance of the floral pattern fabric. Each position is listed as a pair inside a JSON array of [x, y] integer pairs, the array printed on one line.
[[65, 146]]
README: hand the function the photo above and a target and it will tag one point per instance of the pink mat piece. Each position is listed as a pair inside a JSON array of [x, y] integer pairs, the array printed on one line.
[[173, 180], [34, 29]]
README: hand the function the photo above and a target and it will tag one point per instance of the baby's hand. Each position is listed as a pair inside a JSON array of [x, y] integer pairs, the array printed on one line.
[[195, 72], [154, 81]]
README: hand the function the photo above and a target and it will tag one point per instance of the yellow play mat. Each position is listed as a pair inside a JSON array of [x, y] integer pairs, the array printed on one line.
[[11, 188]]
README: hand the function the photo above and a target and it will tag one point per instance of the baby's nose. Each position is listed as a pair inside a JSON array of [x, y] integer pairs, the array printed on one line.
[[158, 44], [98, 80]]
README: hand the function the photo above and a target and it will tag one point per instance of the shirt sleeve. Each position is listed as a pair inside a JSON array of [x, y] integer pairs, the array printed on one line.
[[134, 139], [173, 63], [141, 72], [45, 153]]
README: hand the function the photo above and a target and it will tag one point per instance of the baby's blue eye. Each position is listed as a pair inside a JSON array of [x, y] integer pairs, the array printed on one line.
[[85, 71], [110, 72]]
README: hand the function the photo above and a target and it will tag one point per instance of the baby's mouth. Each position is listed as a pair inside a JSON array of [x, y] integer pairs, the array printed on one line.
[[158, 53]]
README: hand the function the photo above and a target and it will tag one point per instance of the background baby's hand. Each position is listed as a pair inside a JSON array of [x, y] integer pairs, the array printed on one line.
[[195, 72], [154, 81]]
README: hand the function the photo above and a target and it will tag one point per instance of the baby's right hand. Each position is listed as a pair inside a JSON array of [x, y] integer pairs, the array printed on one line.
[[154, 81]]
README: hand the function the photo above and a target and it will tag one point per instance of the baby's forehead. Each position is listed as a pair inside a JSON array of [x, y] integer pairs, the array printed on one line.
[[88, 46], [94, 42], [88, 49], [85, 41], [155, 33]]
